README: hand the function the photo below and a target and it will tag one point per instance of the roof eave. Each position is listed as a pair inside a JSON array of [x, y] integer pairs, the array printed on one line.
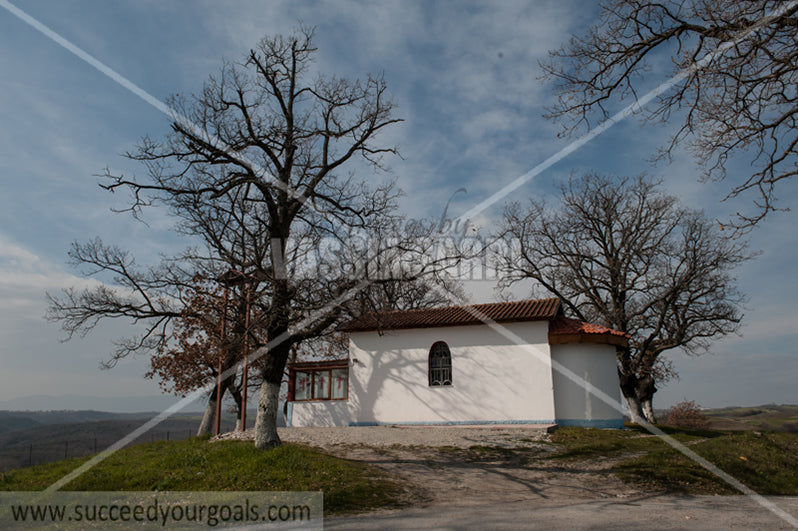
[[602, 339]]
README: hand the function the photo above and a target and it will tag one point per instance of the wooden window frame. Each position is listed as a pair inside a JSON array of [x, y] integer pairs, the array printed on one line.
[[312, 369]]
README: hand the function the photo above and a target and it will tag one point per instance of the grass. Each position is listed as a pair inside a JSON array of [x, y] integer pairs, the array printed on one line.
[[769, 417], [765, 462], [198, 465], [579, 443]]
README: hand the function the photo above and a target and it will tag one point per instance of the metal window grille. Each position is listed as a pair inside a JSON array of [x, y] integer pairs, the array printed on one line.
[[440, 365]]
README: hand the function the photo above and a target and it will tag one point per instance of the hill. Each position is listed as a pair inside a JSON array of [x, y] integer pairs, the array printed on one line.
[[770, 417], [20, 420], [30, 438]]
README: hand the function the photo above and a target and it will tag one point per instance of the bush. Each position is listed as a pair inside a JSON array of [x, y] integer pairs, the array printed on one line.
[[789, 427], [687, 414]]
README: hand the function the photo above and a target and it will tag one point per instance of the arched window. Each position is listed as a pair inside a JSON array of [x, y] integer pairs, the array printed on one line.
[[440, 364]]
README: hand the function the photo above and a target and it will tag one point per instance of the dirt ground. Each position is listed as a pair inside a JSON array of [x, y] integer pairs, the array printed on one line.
[[438, 462], [452, 465], [469, 478], [441, 476]]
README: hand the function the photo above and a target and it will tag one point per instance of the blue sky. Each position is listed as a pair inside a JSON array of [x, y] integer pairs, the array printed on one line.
[[465, 79]]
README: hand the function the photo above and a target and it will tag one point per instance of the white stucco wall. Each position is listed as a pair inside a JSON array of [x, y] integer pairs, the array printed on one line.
[[494, 380], [319, 413], [575, 404]]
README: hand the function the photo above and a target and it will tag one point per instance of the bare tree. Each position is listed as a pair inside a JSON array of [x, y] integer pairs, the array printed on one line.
[[623, 254], [741, 102], [254, 168], [178, 304]]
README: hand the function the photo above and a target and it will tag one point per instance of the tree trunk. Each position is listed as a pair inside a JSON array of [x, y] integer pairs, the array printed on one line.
[[274, 362], [236, 392], [635, 409], [209, 417], [629, 384], [648, 410], [266, 419], [645, 395]]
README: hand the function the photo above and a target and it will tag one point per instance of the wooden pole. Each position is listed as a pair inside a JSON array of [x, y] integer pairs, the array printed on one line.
[[219, 372], [244, 369]]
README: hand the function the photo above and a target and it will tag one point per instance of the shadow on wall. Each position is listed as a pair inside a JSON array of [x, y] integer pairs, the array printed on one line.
[[485, 373]]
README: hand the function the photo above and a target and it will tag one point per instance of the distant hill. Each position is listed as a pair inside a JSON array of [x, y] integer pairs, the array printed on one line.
[[19, 420], [769, 417], [34, 437], [116, 404]]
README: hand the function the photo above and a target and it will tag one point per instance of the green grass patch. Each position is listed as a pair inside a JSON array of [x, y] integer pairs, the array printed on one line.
[[767, 463], [581, 443], [198, 465]]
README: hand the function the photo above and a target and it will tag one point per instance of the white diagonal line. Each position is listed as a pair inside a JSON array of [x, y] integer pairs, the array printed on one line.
[[545, 358], [621, 115], [170, 112], [168, 412], [507, 189]]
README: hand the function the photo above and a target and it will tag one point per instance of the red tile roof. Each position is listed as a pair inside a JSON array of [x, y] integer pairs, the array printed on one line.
[[500, 312], [561, 329], [565, 330]]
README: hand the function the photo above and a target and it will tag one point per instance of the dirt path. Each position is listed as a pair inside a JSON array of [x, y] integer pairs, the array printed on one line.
[[469, 465], [505, 478], [449, 476]]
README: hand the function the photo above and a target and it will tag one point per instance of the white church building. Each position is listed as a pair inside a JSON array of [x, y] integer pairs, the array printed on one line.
[[500, 363]]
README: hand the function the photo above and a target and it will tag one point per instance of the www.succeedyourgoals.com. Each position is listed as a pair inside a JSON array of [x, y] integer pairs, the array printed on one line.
[[161, 510]]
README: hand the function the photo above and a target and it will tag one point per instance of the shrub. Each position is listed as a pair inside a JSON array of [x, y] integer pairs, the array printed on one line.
[[687, 414], [789, 427]]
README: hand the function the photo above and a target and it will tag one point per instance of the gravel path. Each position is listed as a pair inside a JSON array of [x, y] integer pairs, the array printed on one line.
[[459, 436]]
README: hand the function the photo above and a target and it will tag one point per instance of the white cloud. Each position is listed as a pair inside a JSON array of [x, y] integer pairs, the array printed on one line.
[[32, 350]]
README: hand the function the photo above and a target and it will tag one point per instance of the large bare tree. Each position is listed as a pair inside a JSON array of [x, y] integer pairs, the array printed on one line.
[[622, 253], [259, 167], [741, 102]]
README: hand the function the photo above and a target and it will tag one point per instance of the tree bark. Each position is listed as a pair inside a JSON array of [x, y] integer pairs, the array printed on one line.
[[629, 384], [266, 421], [645, 395], [635, 409], [648, 410], [237, 398], [209, 417]]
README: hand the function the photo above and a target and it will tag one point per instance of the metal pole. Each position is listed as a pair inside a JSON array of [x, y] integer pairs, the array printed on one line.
[[219, 372], [244, 369]]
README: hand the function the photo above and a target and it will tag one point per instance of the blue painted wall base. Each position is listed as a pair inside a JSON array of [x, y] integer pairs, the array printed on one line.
[[595, 423]]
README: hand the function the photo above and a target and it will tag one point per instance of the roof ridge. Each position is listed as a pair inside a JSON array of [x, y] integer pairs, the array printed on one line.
[[453, 306], [461, 314]]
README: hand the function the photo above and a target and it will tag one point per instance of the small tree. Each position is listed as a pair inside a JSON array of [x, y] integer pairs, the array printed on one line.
[[687, 414], [195, 352]]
